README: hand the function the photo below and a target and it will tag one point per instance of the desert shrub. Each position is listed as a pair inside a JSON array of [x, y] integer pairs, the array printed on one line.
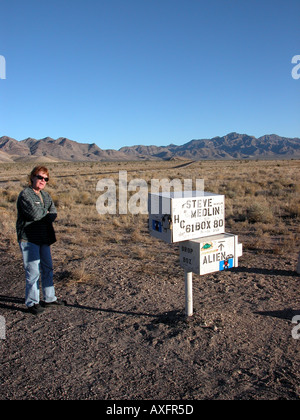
[[260, 212], [56, 200], [84, 197], [75, 276], [9, 196], [293, 210]]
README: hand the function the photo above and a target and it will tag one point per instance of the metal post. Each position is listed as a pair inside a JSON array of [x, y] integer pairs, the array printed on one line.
[[188, 293]]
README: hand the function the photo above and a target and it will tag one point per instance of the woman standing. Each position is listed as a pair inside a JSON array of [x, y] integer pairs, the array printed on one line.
[[36, 213]]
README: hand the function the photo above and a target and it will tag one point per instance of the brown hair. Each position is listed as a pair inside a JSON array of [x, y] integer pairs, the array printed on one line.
[[35, 171]]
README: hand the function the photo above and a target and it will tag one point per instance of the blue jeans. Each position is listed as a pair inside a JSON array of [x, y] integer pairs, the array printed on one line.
[[37, 263]]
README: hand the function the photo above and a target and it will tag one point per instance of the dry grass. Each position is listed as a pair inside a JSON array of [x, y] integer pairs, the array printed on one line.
[[262, 206]]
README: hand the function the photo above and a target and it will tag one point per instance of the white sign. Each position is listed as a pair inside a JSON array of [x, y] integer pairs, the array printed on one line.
[[210, 254], [178, 217]]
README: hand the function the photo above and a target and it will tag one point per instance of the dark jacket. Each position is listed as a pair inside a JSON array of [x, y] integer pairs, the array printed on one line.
[[35, 217]]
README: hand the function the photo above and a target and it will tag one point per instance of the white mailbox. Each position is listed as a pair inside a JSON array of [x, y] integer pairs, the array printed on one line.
[[210, 254], [181, 216]]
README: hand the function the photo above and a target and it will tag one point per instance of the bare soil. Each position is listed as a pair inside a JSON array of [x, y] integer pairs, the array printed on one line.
[[123, 334], [125, 337]]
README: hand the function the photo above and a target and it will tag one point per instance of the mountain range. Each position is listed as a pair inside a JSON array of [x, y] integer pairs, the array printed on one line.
[[229, 147]]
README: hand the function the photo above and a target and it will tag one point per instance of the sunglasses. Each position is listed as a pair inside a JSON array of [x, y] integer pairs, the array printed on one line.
[[41, 178]]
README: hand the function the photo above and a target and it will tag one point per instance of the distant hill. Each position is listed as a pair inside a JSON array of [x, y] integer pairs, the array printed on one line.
[[231, 146], [48, 149]]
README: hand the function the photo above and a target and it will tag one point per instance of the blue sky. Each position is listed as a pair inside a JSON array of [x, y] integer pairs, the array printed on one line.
[[125, 72]]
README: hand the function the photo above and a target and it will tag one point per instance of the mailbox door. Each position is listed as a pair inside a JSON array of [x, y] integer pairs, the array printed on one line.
[[217, 255], [210, 254]]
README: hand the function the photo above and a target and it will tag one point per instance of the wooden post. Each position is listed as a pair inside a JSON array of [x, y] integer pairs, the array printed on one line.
[[298, 266]]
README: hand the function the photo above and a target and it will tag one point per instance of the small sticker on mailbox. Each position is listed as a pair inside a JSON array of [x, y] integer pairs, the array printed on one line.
[[156, 226]]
